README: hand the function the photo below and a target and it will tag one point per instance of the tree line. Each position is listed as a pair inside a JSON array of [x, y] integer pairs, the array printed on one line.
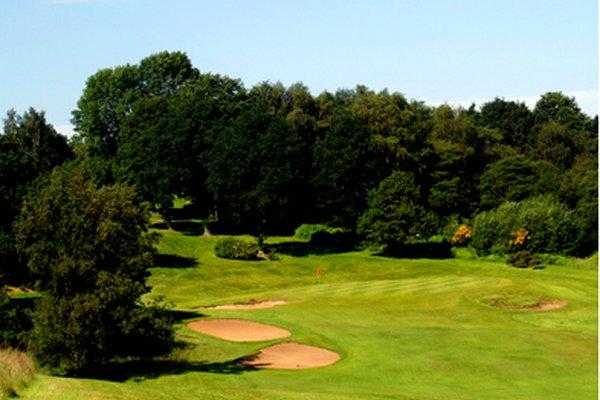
[[270, 157]]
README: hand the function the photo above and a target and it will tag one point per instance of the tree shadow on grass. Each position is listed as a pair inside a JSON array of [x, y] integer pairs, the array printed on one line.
[[159, 225], [434, 250], [182, 315], [186, 227], [302, 249], [190, 228], [174, 261], [140, 370]]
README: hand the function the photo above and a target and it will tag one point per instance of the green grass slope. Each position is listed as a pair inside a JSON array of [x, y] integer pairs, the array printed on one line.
[[406, 329]]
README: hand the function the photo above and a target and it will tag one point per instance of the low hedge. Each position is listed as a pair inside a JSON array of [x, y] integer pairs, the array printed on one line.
[[306, 231], [236, 249]]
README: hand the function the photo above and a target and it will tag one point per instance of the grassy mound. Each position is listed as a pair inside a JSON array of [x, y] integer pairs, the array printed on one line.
[[16, 371]]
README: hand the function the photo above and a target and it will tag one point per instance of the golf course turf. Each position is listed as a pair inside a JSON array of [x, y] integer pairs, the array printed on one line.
[[460, 328]]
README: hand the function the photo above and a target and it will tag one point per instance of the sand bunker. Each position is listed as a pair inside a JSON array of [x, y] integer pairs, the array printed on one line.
[[238, 330], [547, 305], [292, 356], [540, 306], [251, 305]]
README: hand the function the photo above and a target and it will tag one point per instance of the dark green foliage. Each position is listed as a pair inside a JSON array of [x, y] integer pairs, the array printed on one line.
[[395, 214], [261, 190], [109, 95], [551, 227], [89, 249], [514, 120], [15, 319], [163, 140], [460, 152], [29, 147], [148, 151], [579, 189], [524, 259], [306, 231], [513, 179], [198, 113], [76, 334], [561, 109], [556, 144], [345, 170], [165, 72], [236, 249]]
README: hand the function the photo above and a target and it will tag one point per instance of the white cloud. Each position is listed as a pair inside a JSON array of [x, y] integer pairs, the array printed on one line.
[[66, 129]]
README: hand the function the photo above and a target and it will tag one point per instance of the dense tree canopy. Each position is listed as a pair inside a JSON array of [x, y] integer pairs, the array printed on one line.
[[271, 157]]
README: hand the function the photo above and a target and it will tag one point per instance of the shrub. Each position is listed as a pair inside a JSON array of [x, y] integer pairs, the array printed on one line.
[[236, 249], [16, 371], [15, 320], [91, 251], [547, 226], [306, 231], [462, 235], [524, 259]]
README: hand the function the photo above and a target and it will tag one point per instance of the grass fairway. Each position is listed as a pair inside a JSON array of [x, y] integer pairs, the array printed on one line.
[[406, 329]]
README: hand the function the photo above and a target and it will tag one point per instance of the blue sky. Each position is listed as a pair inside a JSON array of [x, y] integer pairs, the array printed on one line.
[[454, 51]]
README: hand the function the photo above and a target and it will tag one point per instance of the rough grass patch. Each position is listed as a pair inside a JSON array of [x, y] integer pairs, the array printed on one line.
[[16, 371], [525, 303]]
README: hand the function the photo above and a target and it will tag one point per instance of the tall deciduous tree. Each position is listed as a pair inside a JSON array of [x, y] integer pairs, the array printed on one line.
[[109, 95], [253, 172]]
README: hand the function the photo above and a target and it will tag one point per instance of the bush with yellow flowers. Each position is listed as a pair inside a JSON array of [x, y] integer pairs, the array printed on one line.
[[540, 225], [462, 235], [520, 237]]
